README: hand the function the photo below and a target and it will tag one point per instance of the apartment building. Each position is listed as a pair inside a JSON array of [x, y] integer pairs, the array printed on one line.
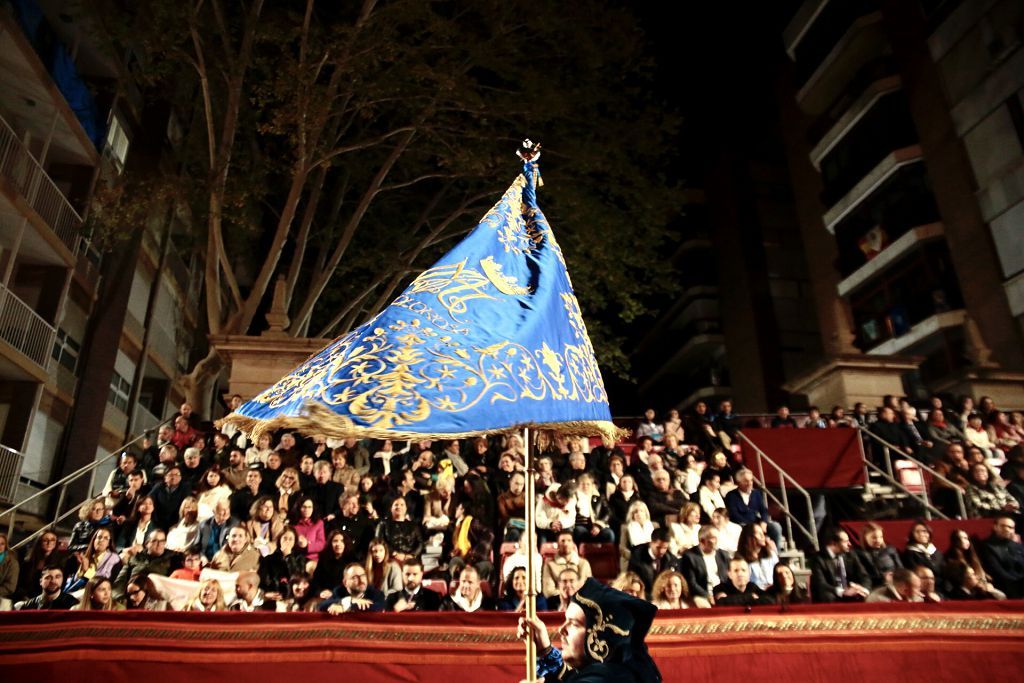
[[91, 340]]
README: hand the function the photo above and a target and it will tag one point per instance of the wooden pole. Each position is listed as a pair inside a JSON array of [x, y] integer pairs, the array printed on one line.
[[529, 539]]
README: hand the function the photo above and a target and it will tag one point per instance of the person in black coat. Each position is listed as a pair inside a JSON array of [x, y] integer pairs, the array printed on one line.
[[354, 595], [413, 597], [1003, 558], [694, 563], [330, 568], [888, 429], [325, 492], [836, 573], [357, 525], [167, 497], [648, 560], [878, 559], [736, 590]]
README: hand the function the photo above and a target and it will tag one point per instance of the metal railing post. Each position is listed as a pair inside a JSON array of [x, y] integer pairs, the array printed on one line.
[[60, 502]]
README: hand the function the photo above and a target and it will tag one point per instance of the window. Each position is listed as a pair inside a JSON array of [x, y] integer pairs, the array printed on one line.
[[120, 389], [117, 143], [66, 350]]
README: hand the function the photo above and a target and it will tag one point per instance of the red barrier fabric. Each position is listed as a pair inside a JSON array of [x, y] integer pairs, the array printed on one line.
[[815, 458], [896, 531], [906, 643]]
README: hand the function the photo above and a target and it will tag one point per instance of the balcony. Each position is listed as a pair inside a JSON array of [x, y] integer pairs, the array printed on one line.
[[872, 183], [862, 43], [22, 330], [852, 116], [910, 301], [890, 254], [21, 174]]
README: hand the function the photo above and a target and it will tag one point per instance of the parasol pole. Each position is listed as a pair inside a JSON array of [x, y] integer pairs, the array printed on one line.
[[530, 540]]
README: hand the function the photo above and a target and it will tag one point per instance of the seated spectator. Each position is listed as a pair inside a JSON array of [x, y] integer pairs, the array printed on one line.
[[545, 478], [650, 559], [514, 597], [836, 573], [306, 521], [629, 583], [44, 553], [941, 432], [9, 571], [439, 504], [153, 560], [909, 424], [298, 597], [167, 497], [405, 487], [212, 488], [248, 596], [576, 466], [905, 587], [344, 473], [673, 426], [98, 595], [185, 534], [700, 431], [688, 477], [117, 481], [192, 469], [888, 430], [728, 531], [748, 505], [612, 474], [726, 423], [243, 498], [878, 558], [324, 491], [649, 428], [258, 454], [192, 567], [783, 419], [132, 537], [760, 554], [705, 566], [556, 511], [814, 419], [638, 525], [670, 592], [929, 591], [236, 469], [961, 549], [184, 435], [468, 597], [98, 560], [920, 549], [287, 489], [785, 590], [512, 508], [1003, 558], [736, 589], [237, 554], [838, 418], [567, 557], [382, 572], [209, 598], [568, 584], [977, 435], [356, 523], [403, 536], [52, 596], [214, 531], [710, 492], [129, 498], [265, 526], [413, 597], [92, 515], [684, 533], [621, 500], [290, 453], [718, 463], [986, 497], [141, 594], [470, 540], [278, 568], [964, 584], [592, 513], [306, 478], [664, 500]]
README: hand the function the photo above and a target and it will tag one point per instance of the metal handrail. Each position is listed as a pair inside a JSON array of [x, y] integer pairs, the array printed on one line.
[[924, 468], [929, 509], [811, 529], [24, 329], [63, 484]]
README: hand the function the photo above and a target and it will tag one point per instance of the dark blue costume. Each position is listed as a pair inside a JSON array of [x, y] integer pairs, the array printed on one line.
[[615, 650]]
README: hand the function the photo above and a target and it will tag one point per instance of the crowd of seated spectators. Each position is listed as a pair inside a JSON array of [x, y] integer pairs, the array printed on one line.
[[207, 520]]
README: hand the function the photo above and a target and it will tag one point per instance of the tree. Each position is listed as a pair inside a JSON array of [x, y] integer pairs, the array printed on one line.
[[347, 145]]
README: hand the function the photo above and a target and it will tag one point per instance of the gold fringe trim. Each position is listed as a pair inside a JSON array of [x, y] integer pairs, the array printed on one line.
[[317, 419]]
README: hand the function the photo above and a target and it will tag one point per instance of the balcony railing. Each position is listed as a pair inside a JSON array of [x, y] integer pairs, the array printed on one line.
[[22, 328], [10, 471], [35, 185]]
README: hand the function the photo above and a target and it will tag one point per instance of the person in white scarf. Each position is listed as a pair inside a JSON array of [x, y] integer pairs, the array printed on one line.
[[468, 597]]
